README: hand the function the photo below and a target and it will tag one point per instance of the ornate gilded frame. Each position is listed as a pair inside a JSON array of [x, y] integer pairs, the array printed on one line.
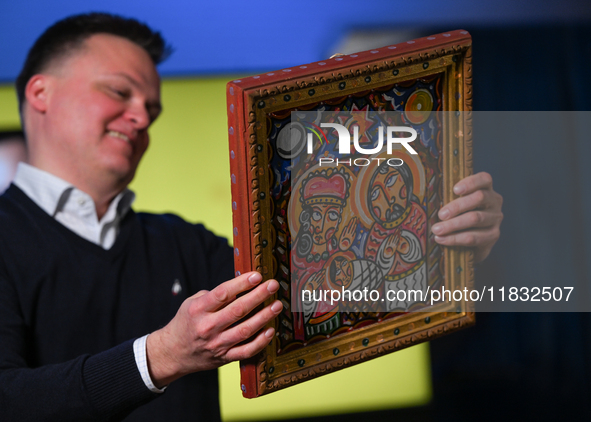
[[249, 100]]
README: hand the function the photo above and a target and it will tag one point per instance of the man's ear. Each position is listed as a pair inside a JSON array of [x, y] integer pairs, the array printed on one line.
[[36, 92]]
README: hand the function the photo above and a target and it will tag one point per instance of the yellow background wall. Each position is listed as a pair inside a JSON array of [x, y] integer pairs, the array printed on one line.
[[186, 171]]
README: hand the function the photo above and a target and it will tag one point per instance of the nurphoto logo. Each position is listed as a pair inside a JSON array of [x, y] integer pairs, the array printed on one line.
[[344, 142]]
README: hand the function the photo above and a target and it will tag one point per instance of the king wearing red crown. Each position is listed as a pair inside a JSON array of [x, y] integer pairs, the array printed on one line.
[[325, 188], [323, 196]]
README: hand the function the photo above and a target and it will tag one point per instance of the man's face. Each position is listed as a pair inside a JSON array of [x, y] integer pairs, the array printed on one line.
[[343, 274], [324, 222], [102, 100], [388, 195]]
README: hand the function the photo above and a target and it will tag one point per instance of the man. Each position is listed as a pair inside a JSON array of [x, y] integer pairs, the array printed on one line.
[[84, 279], [87, 102], [397, 238]]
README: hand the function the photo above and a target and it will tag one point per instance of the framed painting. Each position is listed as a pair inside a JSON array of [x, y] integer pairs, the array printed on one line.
[[339, 168]]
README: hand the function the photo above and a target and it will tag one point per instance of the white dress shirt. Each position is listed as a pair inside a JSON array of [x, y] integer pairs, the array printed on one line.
[[75, 210]]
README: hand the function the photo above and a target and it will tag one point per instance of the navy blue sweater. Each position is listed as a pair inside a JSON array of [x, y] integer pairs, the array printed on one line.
[[70, 310]]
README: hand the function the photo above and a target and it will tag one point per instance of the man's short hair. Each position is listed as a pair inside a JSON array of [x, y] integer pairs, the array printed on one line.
[[69, 34]]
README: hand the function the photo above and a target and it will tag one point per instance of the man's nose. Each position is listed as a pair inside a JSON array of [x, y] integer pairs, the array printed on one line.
[[320, 226], [139, 116], [390, 197]]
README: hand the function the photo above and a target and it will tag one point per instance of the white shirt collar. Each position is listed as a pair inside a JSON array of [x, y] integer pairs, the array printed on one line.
[[72, 207], [43, 188]]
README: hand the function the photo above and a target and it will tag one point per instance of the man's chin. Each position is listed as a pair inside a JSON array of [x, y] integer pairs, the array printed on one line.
[[121, 172]]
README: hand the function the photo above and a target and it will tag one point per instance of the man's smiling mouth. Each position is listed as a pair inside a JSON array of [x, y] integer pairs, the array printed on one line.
[[119, 135]]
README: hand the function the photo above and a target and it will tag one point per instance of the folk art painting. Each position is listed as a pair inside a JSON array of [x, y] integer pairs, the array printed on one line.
[[345, 230]]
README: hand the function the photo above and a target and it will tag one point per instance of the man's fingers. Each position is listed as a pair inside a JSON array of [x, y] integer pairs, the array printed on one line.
[[244, 305], [470, 220], [474, 218], [470, 238], [391, 241], [200, 293], [480, 199], [227, 292], [473, 183], [245, 351], [246, 329]]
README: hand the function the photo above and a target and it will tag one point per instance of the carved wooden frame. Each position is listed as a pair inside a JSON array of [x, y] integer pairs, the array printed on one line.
[[250, 98]]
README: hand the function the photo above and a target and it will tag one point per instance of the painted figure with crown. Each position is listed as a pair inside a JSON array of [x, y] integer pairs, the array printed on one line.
[[323, 195]]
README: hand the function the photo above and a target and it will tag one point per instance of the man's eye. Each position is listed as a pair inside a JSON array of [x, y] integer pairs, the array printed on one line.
[[375, 194], [391, 180], [121, 93], [316, 216], [333, 216]]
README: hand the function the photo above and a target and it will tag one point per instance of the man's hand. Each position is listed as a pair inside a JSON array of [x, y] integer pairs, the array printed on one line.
[[348, 235], [474, 219], [208, 330]]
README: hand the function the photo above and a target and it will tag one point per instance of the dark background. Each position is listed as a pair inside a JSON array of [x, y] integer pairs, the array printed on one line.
[[524, 366]]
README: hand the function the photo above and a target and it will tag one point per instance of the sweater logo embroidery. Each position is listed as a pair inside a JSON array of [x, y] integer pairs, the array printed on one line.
[[176, 287]]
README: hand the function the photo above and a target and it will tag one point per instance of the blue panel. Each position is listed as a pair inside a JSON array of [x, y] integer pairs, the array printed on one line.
[[234, 36]]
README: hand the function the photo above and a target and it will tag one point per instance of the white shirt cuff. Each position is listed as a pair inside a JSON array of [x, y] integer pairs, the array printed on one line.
[[139, 351]]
